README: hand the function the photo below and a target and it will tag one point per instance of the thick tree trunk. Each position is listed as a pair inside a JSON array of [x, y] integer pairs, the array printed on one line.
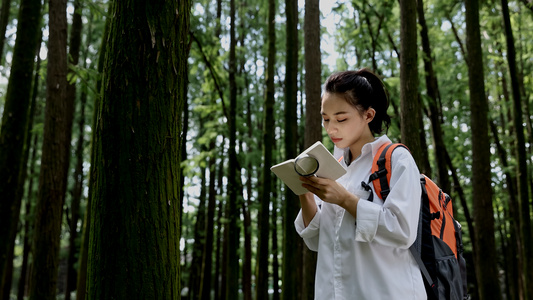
[[485, 245], [14, 127], [292, 243], [52, 179], [135, 205], [410, 104]]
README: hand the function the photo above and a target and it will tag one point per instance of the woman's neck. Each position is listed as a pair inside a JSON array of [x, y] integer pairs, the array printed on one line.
[[355, 149]]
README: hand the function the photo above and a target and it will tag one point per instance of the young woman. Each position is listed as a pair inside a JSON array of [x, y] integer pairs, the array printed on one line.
[[363, 246]]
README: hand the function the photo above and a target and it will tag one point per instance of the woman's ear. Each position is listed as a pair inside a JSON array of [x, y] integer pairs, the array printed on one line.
[[370, 114]]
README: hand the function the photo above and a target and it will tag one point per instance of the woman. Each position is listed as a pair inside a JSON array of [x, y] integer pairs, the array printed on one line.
[[363, 246]]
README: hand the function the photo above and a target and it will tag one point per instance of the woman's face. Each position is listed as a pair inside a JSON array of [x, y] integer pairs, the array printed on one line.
[[345, 125]]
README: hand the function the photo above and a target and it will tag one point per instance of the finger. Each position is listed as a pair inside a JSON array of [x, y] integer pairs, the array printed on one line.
[[313, 189], [308, 180]]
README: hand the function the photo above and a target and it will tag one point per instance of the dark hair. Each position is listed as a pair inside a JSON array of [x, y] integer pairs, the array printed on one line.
[[363, 89]]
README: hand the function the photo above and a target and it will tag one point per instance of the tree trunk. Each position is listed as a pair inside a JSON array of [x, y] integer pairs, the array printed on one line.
[[207, 277], [275, 249], [263, 249], [135, 203], [410, 104], [231, 230], [512, 269], [313, 126], [86, 228], [74, 53], [292, 243], [523, 188], [485, 247], [52, 179], [4, 19], [14, 127], [434, 112], [196, 268], [28, 224], [219, 260]]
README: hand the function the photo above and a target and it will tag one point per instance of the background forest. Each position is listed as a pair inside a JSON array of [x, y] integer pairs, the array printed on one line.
[[137, 137]]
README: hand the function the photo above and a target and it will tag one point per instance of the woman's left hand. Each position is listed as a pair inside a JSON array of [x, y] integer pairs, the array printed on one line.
[[331, 191], [326, 189]]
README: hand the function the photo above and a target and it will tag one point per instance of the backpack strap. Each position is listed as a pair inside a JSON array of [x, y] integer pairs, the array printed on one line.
[[380, 176], [381, 169]]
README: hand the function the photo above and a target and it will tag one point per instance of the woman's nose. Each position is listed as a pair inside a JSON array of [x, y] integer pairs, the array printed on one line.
[[331, 129]]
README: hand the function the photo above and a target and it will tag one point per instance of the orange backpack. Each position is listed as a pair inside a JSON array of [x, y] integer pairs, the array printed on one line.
[[438, 248]]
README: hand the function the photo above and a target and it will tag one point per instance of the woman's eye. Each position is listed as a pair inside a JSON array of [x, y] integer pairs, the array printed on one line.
[[326, 120], [340, 121]]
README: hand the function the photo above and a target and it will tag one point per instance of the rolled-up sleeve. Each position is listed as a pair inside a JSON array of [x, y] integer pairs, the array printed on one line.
[[395, 223], [309, 233]]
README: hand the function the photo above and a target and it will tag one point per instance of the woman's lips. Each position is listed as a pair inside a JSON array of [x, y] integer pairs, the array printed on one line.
[[336, 140]]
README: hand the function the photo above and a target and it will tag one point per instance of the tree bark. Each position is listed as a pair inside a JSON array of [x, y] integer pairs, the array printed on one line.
[[263, 248], [52, 179], [14, 127], [410, 104], [313, 126], [4, 19], [292, 243], [485, 246], [434, 112], [522, 175], [231, 230], [198, 254], [207, 277], [135, 205], [74, 54], [86, 228]]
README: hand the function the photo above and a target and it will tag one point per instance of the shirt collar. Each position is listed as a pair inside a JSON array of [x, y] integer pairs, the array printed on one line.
[[343, 153]]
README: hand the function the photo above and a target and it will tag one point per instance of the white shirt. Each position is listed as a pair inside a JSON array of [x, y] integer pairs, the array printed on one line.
[[368, 257]]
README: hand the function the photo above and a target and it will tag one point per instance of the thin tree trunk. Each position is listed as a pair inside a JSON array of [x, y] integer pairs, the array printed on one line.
[[485, 245], [135, 205], [4, 19], [515, 267], [263, 249], [74, 51], [219, 259], [523, 187], [275, 250], [207, 277], [313, 127], [28, 225], [231, 230], [247, 269], [86, 228], [434, 100], [247, 220], [196, 268]]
